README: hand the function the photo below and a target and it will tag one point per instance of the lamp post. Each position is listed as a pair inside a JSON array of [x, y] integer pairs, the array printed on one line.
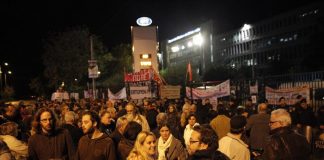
[[4, 70]]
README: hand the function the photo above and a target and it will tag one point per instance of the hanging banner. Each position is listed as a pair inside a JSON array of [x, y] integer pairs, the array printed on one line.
[[140, 92], [170, 92], [60, 96], [254, 88], [143, 75], [290, 94], [220, 90], [119, 95]]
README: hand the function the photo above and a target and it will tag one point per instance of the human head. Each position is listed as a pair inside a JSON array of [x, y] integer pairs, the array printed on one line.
[[121, 124], [237, 124], [11, 110], [172, 108], [9, 128], [132, 130], [186, 108], [70, 117], [105, 118], [279, 118], [90, 122], [202, 138], [45, 120], [146, 144], [112, 112], [192, 119], [262, 108], [164, 130], [130, 109], [303, 103], [161, 118], [282, 101], [193, 108]]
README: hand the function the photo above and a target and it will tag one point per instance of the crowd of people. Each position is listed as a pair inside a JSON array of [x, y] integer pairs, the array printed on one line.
[[160, 129]]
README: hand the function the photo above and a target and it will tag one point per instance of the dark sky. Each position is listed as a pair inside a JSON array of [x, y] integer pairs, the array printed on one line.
[[25, 24]]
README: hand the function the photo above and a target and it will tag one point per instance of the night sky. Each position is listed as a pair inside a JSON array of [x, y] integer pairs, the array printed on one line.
[[25, 24]]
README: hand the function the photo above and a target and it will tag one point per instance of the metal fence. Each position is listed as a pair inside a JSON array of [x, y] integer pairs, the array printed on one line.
[[315, 80]]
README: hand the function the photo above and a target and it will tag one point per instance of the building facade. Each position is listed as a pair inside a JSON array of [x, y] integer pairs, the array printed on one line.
[[284, 43]]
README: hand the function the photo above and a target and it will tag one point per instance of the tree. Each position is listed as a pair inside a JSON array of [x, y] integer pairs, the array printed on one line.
[[66, 56], [113, 65]]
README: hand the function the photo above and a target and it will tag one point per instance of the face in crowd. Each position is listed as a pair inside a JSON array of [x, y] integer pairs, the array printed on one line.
[[165, 133], [47, 122], [106, 119], [87, 125], [149, 145], [194, 143], [192, 120]]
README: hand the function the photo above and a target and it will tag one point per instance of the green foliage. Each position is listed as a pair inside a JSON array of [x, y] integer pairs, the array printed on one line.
[[113, 65], [66, 56]]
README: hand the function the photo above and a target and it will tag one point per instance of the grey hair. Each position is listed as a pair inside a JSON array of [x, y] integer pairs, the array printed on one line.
[[282, 116], [121, 121], [161, 118], [69, 116]]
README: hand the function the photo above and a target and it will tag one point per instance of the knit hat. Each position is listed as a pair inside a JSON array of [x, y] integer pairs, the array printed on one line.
[[238, 122]]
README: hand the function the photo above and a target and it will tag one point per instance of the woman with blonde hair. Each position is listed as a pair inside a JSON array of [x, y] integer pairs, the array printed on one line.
[[144, 148]]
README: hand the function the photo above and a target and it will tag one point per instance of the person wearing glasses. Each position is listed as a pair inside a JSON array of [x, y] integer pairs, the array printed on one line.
[[203, 144], [49, 142], [284, 143]]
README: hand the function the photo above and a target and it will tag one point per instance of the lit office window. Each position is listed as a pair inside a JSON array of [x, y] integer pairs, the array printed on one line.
[[146, 63]]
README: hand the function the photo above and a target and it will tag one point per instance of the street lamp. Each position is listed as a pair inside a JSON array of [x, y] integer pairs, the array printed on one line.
[[5, 77]]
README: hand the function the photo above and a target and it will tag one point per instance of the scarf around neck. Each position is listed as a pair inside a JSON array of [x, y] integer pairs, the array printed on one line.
[[162, 146]]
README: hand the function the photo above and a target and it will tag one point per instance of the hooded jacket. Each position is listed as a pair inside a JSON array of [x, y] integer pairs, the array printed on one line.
[[101, 148]]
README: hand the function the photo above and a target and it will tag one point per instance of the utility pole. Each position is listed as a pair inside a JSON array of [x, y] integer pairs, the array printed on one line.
[[93, 79]]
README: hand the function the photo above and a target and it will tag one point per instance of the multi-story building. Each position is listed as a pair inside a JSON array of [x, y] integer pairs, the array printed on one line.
[[284, 43], [194, 46]]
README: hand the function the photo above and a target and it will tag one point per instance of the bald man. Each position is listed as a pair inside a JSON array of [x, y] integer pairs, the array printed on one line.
[[258, 125]]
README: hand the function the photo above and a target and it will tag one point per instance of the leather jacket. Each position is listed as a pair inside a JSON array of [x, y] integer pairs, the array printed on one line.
[[285, 144]]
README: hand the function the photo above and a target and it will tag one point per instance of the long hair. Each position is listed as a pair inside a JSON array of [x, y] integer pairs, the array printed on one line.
[[138, 147], [37, 122]]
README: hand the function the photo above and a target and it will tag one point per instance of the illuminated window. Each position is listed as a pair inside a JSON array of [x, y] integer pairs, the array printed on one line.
[[145, 56], [146, 63]]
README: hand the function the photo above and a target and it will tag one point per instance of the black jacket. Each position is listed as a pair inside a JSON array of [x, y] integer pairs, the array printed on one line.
[[284, 144], [208, 154]]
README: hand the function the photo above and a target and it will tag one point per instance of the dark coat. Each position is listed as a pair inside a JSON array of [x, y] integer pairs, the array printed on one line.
[[57, 145], [258, 125], [75, 132], [125, 146], [101, 148], [176, 151], [284, 144], [208, 154]]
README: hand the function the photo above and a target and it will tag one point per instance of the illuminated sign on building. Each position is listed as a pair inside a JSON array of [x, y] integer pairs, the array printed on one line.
[[144, 21]]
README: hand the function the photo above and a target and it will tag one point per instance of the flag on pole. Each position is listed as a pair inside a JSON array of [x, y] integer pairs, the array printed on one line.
[[189, 71]]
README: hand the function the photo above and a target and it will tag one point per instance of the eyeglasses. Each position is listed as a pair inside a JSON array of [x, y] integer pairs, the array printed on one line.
[[45, 120], [192, 142]]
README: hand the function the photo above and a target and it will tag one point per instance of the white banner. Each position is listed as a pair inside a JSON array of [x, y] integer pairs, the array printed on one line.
[[170, 92], [139, 92], [290, 94], [119, 95], [60, 96], [220, 90]]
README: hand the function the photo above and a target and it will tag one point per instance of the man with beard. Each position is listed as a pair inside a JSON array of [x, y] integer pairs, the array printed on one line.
[[94, 144], [49, 142], [133, 115]]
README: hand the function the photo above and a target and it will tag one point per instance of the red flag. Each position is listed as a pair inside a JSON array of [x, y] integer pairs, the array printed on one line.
[[189, 71]]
